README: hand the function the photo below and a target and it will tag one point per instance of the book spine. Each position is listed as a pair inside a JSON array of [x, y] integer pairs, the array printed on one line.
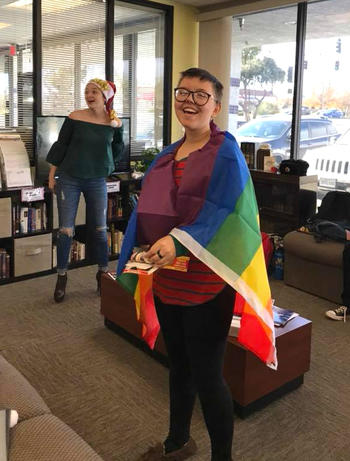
[[7, 265], [82, 250], [44, 216], [54, 256], [2, 257], [24, 220]]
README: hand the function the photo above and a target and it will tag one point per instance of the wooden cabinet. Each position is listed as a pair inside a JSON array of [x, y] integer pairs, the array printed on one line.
[[284, 201]]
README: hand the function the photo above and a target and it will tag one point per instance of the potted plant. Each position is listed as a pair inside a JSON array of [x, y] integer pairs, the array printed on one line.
[[146, 159]]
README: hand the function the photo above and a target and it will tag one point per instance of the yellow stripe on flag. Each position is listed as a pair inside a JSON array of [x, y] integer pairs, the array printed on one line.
[[255, 277]]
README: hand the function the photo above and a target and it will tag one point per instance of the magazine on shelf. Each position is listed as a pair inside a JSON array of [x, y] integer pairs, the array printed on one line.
[[138, 264], [282, 316]]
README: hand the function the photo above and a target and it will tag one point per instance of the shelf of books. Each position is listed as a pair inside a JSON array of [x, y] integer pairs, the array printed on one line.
[[29, 226]]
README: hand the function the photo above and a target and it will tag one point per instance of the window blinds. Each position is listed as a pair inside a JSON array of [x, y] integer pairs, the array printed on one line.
[[16, 71], [139, 72], [73, 51]]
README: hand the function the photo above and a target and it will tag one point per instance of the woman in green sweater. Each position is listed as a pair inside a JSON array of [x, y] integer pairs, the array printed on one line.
[[85, 153]]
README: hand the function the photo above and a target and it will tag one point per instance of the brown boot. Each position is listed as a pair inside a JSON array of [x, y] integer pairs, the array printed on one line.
[[157, 452]]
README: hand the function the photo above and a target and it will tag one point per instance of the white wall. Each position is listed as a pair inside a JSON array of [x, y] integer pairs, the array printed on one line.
[[215, 39]]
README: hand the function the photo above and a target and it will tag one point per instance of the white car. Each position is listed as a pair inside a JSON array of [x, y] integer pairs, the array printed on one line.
[[331, 164]]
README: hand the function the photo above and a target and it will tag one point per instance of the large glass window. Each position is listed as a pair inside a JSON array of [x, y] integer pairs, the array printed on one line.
[[16, 70], [262, 84], [326, 92], [139, 72], [262, 78]]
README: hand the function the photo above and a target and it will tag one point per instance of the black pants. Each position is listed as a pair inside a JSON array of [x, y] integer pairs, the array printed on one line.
[[346, 275], [195, 338]]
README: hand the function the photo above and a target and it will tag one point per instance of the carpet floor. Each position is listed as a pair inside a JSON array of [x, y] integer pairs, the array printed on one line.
[[115, 396]]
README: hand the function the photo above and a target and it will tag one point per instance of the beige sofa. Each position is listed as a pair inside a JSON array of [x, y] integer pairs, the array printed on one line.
[[312, 266], [39, 435]]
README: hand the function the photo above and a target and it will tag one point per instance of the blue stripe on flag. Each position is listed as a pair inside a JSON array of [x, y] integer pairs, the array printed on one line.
[[228, 180]]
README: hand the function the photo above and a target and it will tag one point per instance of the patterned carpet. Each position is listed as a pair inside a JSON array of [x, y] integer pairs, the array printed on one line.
[[115, 396]]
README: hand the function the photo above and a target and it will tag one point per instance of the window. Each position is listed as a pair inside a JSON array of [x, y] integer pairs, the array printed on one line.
[[304, 131], [16, 71], [272, 73], [331, 129], [325, 85], [262, 76], [139, 72], [73, 51], [318, 129]]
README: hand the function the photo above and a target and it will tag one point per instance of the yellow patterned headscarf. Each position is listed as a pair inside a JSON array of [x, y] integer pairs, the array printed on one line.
[[108, 90]]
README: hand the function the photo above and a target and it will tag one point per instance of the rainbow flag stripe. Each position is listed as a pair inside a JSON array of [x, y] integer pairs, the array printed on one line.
[[226, 237]]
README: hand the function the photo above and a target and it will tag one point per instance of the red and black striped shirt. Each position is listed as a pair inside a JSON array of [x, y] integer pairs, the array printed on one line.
[[196, 286]]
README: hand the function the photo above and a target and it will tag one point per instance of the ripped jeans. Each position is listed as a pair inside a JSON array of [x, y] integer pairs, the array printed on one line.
[[68, 190]]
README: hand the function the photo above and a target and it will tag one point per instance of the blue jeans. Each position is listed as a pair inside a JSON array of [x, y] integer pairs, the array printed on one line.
[[68, 190]]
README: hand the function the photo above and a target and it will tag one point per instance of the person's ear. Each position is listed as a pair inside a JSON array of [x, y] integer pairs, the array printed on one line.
[[216, 110]]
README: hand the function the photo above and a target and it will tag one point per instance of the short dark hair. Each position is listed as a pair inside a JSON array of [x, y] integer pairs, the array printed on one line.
[[203, 74]]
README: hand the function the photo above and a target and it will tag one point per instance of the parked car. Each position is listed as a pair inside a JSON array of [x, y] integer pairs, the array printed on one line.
[[332, 113], [331, 164], [276, 130]]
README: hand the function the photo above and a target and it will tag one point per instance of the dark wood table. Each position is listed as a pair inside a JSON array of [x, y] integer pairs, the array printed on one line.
[[253, 385]]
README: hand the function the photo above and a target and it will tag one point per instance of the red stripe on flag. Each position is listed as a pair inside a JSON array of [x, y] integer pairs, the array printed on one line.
[[148, 315], [253, 336]]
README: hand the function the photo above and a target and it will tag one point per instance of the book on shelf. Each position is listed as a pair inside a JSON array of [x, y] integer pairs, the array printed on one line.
[[282, 316], [138, 264], [4, 264]]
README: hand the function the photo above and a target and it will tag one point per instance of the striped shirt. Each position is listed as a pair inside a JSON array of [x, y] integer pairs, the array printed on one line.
[[196, 286]]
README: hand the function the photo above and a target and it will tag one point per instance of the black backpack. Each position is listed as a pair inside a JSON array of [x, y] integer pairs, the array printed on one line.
[[333, 217], [333, 230], [335, 206]]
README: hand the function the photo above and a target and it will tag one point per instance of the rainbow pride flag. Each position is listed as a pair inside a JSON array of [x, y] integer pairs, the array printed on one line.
[[225, 235], [140, 287]]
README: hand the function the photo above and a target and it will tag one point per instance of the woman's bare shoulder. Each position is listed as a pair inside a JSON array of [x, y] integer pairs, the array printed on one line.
[[81, 114]]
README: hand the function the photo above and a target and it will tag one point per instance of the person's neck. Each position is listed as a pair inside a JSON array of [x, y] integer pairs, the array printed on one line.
[[197, 137], [98, 114]]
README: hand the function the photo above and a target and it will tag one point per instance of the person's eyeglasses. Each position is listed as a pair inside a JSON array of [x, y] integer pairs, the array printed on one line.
[[199, 97]]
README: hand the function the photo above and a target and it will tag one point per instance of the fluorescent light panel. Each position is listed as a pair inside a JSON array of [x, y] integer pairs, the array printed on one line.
[[20, 4], [52, 6]]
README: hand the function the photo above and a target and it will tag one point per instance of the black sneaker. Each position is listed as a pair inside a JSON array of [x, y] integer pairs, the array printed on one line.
[[60, 289], [339, 313]]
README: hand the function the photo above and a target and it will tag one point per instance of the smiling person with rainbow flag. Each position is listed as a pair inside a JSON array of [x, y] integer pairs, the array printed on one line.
[[198, 200]]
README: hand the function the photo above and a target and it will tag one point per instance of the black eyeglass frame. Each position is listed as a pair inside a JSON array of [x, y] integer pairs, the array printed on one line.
[[193, 93]]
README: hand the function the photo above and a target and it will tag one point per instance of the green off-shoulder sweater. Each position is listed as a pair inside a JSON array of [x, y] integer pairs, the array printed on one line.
[[86, 150]]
